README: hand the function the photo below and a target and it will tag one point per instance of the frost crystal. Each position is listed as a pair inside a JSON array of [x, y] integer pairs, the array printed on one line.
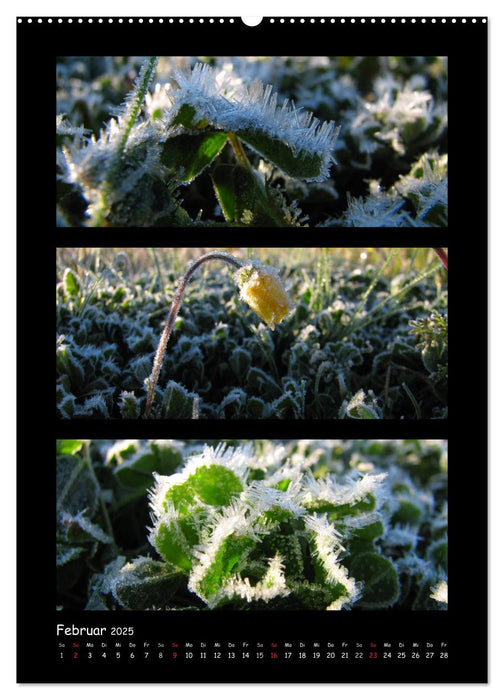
[[235, 459], [329, 548], [273, 584], [263, 497], [330, 491], [220, 98]]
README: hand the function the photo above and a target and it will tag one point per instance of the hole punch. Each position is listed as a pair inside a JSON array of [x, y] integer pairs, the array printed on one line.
[[251, 21]]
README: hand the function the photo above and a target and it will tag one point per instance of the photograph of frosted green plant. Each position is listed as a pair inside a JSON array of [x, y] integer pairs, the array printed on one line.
[[326, 141], [266, 333], [252, 525]]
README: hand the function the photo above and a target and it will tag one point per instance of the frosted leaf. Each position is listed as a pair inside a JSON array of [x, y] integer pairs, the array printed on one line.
[[329, 548], [145, 584], [100, 585], [414, 565], [219, 98], [402, 536], [86, 526], [263, 498], [272, 584], [374, 211], [65, 554], [329, 490], [235, 459], [119, 449], [231, 524]]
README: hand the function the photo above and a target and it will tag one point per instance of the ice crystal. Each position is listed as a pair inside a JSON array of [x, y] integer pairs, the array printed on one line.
[[219, 98], [273, 584], [235, 459], [374, 211], [330, 491], [402, 536], [329, 549], [83, 523], [263, 497]]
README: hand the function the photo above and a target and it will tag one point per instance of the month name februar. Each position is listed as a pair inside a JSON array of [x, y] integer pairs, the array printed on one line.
[[75, 631]]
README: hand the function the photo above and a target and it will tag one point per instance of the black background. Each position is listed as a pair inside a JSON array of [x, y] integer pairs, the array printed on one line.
[[464, 625]]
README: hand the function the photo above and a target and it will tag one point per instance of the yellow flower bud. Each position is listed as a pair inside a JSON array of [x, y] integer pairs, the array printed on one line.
[[262, 289]]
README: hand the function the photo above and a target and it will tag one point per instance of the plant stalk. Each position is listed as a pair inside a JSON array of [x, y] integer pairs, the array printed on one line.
[[165, 336], [442, 256], [133, 109], [260, 188]]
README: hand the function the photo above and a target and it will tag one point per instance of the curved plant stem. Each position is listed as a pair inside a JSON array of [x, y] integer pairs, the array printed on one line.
[[165, 336]]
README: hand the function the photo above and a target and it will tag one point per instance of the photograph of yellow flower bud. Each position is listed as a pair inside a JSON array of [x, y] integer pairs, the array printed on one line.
[[252, 333]]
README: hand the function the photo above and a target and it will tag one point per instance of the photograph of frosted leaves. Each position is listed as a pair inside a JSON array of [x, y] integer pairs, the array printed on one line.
[[326, 141], [282, 525], [265, 333]]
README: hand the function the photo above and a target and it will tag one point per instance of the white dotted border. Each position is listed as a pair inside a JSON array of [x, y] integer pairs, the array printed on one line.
[[231, 20]]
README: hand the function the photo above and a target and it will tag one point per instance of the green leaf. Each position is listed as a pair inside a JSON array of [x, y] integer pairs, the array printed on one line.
[[185, 117], [67, 553], [177, 401], [255, 407], [228, 560], [364, 505], [172, 545], [302, 165], [369, 532], [71, 285], [181, 496], [309, 596], [187, 155], [244, 199], [289, 548], [76, 490], [223, 181], [215, 485], [168, 457], [407, 514], [381, 585], [68, 364], [129, 405], [438, 553], [68, 447], [82, 529], [136, 472]]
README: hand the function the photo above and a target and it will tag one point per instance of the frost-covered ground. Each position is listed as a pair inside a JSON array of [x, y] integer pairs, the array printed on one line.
[[366, 336], [252, 141]]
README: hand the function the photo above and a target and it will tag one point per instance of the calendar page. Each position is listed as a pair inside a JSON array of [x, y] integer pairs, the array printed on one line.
[[252, 462]]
